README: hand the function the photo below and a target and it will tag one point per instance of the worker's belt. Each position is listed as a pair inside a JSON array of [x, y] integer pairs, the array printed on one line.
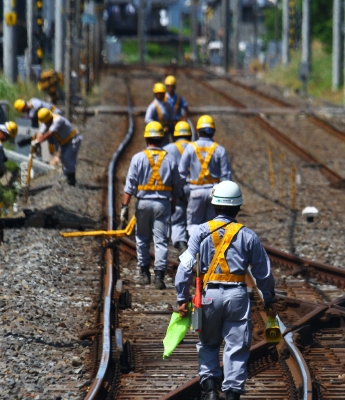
[[204, 177], [219, 256], [179, 146], [212, 285], [62, 142], [155, 182]]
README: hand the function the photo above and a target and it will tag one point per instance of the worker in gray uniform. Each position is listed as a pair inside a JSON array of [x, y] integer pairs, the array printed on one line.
[[8, 130], [68, 138], [226, 250], [205, 163], [177, 103], [154, 179], [182, 136], [159, 110]]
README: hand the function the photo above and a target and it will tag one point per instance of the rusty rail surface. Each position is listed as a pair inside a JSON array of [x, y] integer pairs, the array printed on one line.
[[333, 176]]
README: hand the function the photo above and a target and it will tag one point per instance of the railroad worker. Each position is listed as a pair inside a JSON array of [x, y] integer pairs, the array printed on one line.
[[226, 249], [182, 136], [154, 179], [33, 106], [8, 130], [68, 138], [177, 103], [205, 163], [159, 110]]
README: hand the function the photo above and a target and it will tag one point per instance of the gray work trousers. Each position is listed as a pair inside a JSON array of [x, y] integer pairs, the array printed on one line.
[[152, 220], [69, 154], [179, 223], [199, 208], [226, 314]]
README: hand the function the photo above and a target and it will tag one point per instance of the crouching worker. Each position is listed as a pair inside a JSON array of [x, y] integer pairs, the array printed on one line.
[[226, 249], [154, 179], [68, 137], [8, 130]]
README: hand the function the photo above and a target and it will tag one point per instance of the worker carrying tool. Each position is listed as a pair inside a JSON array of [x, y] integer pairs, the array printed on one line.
[[177, 103], [8, 130], [33, 106], [68, 138], [182, 136], [226, 249], [205, 163], [154, 179], [159, 110]]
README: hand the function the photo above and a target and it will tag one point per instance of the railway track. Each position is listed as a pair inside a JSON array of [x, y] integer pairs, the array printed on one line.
[[129, 362]]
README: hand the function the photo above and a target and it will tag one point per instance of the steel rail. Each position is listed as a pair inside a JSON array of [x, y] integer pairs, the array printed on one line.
[[97, 383], [333, 176], [311, 115]]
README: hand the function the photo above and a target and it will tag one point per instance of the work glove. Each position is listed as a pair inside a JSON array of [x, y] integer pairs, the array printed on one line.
[[271, 309], [34, 143], [124, 214]]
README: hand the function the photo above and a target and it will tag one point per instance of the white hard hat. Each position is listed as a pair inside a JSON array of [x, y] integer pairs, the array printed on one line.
[[226, 193]]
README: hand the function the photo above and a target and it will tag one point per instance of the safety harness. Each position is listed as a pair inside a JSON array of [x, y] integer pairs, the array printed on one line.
[[179, 146], [219, 257], [160, 115], [177, 103], [204, 176], [155, 182], [61, 141]]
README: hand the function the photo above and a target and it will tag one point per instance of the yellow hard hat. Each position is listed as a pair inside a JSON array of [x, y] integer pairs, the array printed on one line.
[[19, 105], [154, 130], [12, 128], [182, 128], [159, 88], [170, 80], [205, 121], [44, 115]]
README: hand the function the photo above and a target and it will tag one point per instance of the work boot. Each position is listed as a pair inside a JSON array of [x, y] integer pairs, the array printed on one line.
[[71, 179], [210, 388], [159, 283], [230, 395], [182, 247], [145, 276]]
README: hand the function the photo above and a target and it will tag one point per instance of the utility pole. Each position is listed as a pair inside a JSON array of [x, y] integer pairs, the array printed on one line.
[[10, 41], [59, 36], [98, 38], [255, 29], [336, 53], [194, 29], [306, 34], [276, 28], [285, 39], [30, 34], [69, 60], [226, 32], [141, 32], [236, 19]]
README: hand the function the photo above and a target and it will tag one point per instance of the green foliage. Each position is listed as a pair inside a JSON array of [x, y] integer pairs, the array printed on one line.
[[11, 166], [270, 23], [7, 198], [155, 52]]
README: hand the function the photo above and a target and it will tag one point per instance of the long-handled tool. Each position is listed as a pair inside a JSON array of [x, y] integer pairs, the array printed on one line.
[[28, 173], [196, 318]]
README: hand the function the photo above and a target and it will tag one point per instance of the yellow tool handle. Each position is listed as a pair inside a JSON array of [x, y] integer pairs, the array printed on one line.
[[119, 233]]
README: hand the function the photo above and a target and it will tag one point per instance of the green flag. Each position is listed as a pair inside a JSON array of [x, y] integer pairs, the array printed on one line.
[[176, 332]]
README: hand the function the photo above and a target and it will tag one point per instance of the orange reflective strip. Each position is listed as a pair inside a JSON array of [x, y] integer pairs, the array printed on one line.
[[155, 182], [62, 142], [159, 113], [204, 176], [179, 146], [219, 259], [177, 105]]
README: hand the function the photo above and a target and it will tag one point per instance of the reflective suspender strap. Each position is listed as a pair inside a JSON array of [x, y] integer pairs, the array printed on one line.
[[204, 176], [62, 142], [179, 146], [160, 114], [155, 181], [53, 108], [177, 105], [219, 258]]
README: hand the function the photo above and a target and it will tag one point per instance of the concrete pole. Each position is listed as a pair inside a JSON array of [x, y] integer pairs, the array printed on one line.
[[226, 32], [306, 34], [255, 29], [59, 36], [276, 28], [29, 29], [336, 53], [9, 43], [98, 43], [69, 59], [236, 20], [141, 32], [285, 39], [194, 33]]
